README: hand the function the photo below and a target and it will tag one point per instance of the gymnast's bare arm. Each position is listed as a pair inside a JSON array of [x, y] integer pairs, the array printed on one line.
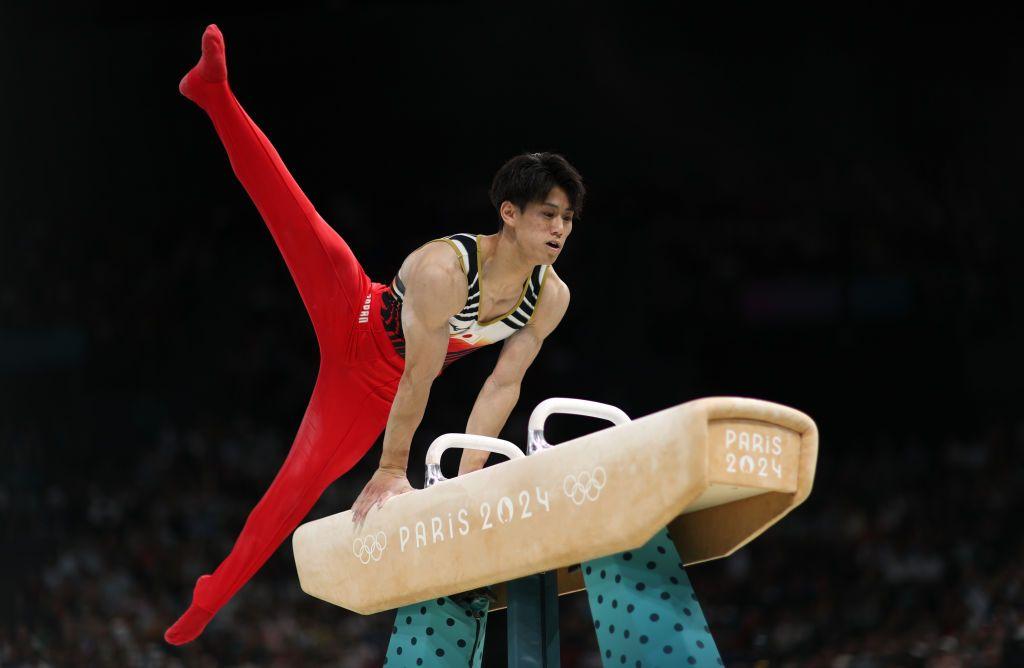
[[435, 290], [500, 391]]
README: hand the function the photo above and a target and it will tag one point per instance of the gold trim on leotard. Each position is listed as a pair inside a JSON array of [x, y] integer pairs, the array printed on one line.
[[451, 243]]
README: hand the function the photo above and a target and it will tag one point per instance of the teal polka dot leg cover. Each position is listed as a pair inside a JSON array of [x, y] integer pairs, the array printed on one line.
[[439, 633], [645, 611]]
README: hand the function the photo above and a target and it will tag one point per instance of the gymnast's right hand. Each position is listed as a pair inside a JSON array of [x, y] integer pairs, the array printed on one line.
[[384, 484]]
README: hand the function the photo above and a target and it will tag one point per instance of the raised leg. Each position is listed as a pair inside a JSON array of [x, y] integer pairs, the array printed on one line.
[[330, 280]]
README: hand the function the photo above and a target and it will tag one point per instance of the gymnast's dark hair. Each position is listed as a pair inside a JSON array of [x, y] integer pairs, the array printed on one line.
[[531, 176]]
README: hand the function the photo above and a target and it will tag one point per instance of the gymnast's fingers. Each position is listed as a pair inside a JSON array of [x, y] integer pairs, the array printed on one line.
[[364, 504], [358, 510], [360, 518]]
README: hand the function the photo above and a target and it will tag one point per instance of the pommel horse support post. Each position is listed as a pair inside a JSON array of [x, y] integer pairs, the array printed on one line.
[[717, 472]]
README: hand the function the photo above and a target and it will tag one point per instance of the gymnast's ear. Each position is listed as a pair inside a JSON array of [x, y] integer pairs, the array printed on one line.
[[509, 213]]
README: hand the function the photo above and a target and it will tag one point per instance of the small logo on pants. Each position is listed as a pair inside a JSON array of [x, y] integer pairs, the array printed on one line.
[[364, 315]]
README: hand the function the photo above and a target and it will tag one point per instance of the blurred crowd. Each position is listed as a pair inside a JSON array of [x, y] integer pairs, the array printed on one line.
[[908, 554]]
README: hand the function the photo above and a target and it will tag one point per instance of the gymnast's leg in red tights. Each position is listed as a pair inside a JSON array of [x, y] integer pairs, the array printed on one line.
[[345, 415]]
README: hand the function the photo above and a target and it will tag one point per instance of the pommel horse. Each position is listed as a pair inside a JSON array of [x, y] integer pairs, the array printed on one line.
[[710, 475]]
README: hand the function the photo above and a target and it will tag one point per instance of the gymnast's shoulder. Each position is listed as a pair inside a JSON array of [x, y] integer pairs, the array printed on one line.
[[552, 303]]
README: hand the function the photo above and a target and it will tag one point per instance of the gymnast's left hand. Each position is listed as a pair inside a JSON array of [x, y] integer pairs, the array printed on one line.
[[384, 484]]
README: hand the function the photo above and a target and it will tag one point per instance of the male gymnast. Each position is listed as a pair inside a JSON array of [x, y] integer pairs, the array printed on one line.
[[381, 346]]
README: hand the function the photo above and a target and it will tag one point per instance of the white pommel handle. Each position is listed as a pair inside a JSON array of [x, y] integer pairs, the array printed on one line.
[[548, 407], [472, 441]]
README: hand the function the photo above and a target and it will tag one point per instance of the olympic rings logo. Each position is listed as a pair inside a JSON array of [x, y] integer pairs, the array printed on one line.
[[370, 547], [586, 485]]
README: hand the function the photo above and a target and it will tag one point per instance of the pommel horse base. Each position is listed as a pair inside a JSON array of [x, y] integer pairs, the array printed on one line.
[[716, 472]]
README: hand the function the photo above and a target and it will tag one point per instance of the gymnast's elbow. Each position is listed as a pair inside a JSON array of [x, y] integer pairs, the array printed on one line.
[[424, 361], [416, 380], [508, 387]]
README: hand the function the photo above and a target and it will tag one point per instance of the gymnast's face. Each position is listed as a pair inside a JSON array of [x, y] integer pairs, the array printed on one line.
[[542, 229]]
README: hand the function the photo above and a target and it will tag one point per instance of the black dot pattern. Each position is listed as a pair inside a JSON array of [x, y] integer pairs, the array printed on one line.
[[639, 595], [437, 633]]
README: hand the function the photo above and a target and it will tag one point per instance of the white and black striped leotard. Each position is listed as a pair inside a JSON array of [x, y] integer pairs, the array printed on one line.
[[465, 332]]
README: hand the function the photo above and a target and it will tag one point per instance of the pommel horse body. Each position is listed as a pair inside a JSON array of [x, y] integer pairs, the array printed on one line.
[[715, 473]]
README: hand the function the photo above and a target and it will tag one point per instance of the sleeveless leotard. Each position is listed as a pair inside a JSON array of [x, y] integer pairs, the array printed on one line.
[[466, 333]]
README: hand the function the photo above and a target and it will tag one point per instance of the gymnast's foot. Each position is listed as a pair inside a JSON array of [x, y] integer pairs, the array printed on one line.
[[191, 624], [210, 72]]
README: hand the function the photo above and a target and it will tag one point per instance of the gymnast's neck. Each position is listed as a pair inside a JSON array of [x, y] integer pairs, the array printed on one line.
[[503, 264]]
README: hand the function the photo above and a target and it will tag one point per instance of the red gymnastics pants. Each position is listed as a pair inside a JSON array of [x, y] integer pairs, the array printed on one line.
[[359, 369]]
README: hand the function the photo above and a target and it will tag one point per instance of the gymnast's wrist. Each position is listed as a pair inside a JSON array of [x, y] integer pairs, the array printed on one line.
[[391, 467]]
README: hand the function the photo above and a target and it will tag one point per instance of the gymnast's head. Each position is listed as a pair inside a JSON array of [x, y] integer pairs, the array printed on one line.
[[537, 196]]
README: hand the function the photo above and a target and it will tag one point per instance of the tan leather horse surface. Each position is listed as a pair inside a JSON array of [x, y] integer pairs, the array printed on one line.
[[717, 471]]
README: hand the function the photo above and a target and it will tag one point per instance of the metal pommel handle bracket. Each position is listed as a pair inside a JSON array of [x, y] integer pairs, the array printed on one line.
[[536, 442], [473, 441]]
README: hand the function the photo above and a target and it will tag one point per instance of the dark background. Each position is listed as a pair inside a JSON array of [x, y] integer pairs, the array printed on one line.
[[818, 208]]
